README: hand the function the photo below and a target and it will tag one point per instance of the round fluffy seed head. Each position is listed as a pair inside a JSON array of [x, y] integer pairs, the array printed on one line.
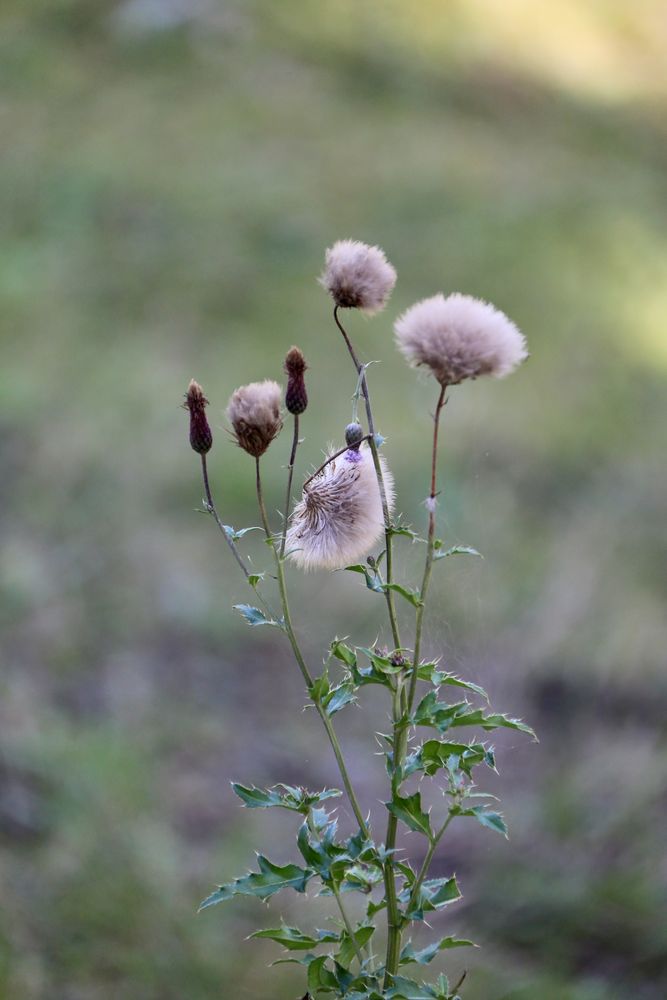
[[460, 337], [339, 517], [254, 413], [358, 276], [296, 397], [196, 402]]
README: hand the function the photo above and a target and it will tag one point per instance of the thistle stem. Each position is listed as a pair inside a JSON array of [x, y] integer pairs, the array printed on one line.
[[426, 863], [404, 708], [298, 655], [290, 476], [348, 925], [389, 594]]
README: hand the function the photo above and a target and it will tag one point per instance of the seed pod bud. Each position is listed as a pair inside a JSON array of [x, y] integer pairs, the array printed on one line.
[[196, 402], [296, 397], [354, 435]]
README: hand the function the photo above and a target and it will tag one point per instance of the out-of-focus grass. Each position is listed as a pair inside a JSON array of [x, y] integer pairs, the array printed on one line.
[[170, 176]]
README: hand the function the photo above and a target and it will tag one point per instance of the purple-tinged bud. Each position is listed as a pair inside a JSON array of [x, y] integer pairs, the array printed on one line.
[[196, 402], [354, 435], [296, 397]]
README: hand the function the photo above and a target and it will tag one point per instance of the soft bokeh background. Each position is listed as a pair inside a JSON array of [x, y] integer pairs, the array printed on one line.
[[171, 173]]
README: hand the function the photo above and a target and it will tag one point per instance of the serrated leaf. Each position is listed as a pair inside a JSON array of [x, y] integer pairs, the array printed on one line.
[[412, 596], [409, 810], [253, 616], [491, 820], [476, 717], [319, 977], [426, 955], [433, 895], [269, 880], [408, 989], [284, 796], [430, 672], [435, 754], [343, 652], [440, 715], [458, 550], [235, 535], [338, 697], [373, 579], [291, 938]]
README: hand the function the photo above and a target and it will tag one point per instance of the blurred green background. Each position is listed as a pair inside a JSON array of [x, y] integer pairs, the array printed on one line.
[[172, 171]]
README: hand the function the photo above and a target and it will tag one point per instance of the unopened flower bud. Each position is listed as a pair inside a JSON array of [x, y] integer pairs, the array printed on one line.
[[196, 402], [296, 397], [354, 435]]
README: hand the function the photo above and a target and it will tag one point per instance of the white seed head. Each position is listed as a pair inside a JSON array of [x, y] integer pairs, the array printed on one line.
[[254, 413], [358, 276], [460, 337], [339, 518]]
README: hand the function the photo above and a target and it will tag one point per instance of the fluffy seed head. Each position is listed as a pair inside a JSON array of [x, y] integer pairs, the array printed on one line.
[[254, 413], [358, 276], [196, 402], [296, 397], [460, 337], [339, 517]]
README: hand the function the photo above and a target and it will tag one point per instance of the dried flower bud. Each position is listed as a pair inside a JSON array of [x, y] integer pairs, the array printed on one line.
[[459, 337], [196, 402], [296, 397], [358, 276], [254, 413], [354, 435]]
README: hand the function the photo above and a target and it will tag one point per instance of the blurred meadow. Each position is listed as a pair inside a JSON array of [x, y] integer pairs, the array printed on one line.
[[171, 173]]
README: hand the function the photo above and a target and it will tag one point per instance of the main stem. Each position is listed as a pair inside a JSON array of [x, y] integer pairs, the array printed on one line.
[[290, 476], [298, 655], [403, 708], [389, 594]]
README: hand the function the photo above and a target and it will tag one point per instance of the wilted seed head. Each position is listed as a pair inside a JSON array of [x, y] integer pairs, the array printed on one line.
[[196, 402], [460, 337], [358, 276], [296, 397], [339, 517], [254, 413]]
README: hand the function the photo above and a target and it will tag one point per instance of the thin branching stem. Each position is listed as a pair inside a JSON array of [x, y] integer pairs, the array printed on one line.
[[426, 863], [388, 533], [290, 476], [402, 709], [347, 922], [298, 655]]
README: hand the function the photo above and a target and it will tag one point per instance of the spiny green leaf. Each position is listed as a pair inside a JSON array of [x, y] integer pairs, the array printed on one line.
[[235, 535], [373, 579], [254, 616], [255, 578], [426, 955], [488, 818], [457, 550], [440, 715], [410, 595], [285, 796], [432, 895], [408, 989], [430, 672], [409, 810], [291, 938], [476, 717], [435, 754], [319, 977], [269, 880], [343, 652]]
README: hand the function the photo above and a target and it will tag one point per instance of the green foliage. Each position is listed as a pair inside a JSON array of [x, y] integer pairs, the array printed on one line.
[[269, 880], [253, 616], [286, 796], [409, 811]]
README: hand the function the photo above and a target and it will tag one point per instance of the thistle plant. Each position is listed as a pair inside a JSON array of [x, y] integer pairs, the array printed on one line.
[[344, 520]]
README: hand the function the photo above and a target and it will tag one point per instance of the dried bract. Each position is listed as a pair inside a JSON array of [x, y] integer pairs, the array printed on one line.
[[358, 276], [254, 413], [339, 518], [460, 337]]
